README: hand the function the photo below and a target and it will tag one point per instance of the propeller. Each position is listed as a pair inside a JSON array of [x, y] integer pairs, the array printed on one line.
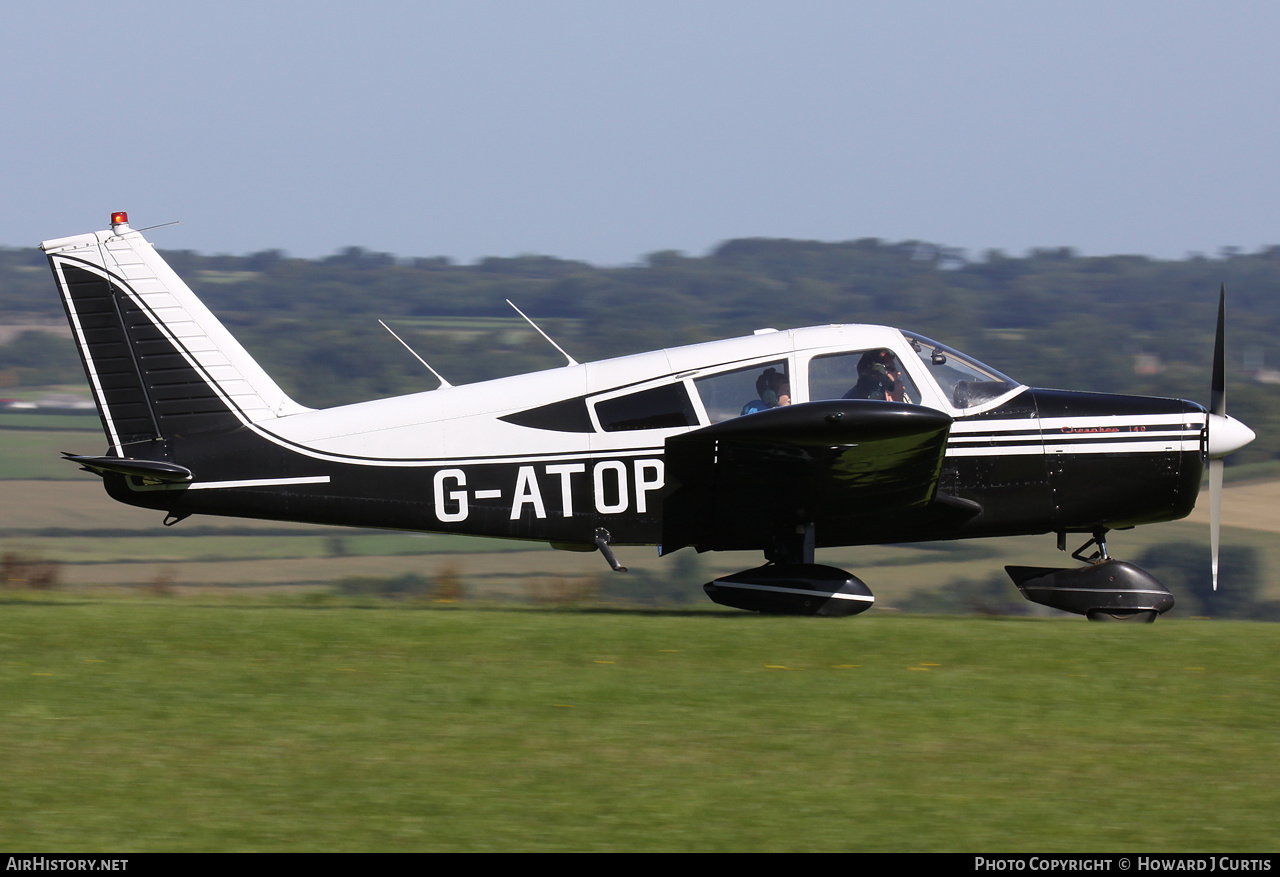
[[1225, 434]]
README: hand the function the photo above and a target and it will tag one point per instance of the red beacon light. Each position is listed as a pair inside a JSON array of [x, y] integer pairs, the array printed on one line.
[[119, 218]]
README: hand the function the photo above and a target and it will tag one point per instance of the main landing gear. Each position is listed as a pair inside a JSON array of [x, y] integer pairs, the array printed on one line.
[[792, 584], [1104, 589]]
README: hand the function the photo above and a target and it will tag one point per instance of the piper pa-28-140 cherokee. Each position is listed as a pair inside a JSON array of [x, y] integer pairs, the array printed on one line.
[[782, 442]]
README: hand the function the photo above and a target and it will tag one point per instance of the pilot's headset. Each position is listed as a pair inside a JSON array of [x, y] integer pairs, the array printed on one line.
[[876, 362], [764, 388]]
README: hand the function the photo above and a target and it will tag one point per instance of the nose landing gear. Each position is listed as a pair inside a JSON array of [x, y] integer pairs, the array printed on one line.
[[1105, 589]]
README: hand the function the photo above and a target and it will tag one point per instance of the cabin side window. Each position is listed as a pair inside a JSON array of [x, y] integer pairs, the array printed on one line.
[[861, 374], [662, 407], [745, 390]]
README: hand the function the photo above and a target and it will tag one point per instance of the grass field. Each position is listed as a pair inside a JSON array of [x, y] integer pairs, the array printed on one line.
[[259, 711], [135, 725], [36, 453]]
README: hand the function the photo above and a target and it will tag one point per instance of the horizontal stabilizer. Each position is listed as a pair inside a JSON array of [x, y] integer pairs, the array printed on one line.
[[151, 470]]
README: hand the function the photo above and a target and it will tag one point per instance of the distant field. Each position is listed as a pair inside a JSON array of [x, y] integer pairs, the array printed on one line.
[[1254, 506], [37, 452], [476, 324], [134, 725], [13, 330], [87, 423]]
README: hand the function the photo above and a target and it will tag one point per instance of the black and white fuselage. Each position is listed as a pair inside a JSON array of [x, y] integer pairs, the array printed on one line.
[[652, 448]]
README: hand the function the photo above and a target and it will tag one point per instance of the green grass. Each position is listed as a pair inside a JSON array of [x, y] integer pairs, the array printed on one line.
[[135, 725], [37, 453], [54, 422]]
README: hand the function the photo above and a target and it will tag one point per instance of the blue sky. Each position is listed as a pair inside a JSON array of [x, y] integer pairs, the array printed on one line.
[[608, 130]]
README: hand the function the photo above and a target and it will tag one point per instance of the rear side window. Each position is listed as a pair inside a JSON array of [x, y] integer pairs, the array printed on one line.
[[732, 394], [656, 408]]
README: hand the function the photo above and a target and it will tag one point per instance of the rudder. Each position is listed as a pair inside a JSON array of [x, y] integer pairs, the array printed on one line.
[[160, 364]]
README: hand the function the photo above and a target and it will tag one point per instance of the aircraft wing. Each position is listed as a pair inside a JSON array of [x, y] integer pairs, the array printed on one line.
[[849, 467]]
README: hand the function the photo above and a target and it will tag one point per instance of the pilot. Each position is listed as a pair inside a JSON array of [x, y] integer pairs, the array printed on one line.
[[774, 390], [879, 377]]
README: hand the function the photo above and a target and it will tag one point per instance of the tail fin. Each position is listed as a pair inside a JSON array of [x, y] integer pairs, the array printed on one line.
[[159, 363]]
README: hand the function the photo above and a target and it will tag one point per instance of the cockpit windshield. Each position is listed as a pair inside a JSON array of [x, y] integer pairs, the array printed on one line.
[[965, 382]]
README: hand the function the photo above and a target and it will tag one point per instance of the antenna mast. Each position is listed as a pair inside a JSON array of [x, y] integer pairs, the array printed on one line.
[[572, 361], [443, 383]]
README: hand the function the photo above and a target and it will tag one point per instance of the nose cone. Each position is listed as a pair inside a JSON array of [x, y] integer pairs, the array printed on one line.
[[1227, 435]]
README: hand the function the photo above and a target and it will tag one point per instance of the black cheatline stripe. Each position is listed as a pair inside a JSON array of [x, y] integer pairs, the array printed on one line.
[[1111, 439], [994, 432], [1152, 433], [1137, 428], [983, 439]]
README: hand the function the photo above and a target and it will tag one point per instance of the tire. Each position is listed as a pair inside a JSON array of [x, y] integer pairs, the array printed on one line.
[[1136, 616]]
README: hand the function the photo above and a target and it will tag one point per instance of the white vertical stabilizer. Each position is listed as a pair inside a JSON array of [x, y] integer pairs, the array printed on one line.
[[132, 262]]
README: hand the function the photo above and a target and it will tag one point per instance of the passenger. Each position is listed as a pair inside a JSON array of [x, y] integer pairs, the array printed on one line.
[[774, 390], [879, 377]]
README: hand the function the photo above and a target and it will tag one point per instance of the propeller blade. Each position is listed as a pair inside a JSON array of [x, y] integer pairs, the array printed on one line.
[[1215, 514], [1218, 395], [1218, 406], [1225, 434]]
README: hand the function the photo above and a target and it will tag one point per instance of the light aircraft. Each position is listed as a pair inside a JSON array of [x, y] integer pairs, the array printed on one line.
[[888, 437]]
